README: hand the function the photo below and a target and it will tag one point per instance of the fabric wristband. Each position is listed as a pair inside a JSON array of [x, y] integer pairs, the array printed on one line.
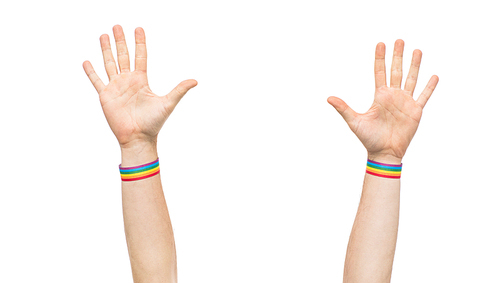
[[384, 170], [140, 172]]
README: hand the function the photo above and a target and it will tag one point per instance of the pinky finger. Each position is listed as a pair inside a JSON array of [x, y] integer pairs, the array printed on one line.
[[429, 89], [94, 78]]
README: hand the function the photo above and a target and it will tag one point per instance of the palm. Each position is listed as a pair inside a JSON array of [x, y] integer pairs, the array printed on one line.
[[387, 128], [390, 123], [132, 110]]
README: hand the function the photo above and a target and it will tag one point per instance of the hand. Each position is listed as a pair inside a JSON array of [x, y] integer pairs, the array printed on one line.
[[134, 113], [387, 128]]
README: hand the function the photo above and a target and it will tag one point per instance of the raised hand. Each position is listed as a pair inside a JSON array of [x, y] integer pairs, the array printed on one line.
[[387, 128], [134, 113]]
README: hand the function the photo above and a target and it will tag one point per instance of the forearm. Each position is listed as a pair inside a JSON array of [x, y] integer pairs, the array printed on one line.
[[372, 244], [148, 229]]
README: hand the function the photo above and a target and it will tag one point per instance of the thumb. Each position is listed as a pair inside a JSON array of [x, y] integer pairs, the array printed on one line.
[[179, 91], [344, 110]]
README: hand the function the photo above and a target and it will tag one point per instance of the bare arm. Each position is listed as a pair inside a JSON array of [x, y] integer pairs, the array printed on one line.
[[136, 115], [372, 244], [385, 130]]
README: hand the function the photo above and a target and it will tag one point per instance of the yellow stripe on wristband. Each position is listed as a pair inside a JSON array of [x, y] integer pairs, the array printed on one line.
[[142, 174], [383, 172]]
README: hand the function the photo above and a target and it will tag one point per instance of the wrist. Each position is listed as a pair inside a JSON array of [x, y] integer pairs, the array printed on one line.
[[385, 158], [138, 152]]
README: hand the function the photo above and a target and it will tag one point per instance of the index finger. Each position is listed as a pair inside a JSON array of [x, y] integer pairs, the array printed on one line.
[[141, 54], [107, 54]]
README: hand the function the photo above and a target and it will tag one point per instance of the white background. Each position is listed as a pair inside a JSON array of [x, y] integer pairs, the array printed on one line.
[[262, 176]]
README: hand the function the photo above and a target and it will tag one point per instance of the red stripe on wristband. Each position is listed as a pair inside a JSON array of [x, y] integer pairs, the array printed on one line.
[[143, 177], [385, 176]]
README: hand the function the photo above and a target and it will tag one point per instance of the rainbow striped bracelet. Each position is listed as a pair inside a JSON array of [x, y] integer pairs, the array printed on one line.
[[383, 170], [140, 172]]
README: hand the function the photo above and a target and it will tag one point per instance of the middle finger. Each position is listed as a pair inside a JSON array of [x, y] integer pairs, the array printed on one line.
[[121, 49]]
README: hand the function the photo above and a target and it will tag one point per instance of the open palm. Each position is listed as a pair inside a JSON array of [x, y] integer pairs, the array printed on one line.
[[387, 128], [132, 110]]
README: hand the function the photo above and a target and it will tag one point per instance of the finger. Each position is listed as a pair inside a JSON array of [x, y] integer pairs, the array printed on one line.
[[411, 79], [344, 110], [380, 79], [429, 89], [140, 50], [179, 91], [107, 54], [94, 78], [121, 49], [397, 64]]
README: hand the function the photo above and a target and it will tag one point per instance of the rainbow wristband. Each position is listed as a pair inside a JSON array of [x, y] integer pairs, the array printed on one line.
[[140, 172], [383, 170]]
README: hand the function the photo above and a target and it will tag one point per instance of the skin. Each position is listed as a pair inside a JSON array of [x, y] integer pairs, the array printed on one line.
[[386, 131], [135, 115]]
